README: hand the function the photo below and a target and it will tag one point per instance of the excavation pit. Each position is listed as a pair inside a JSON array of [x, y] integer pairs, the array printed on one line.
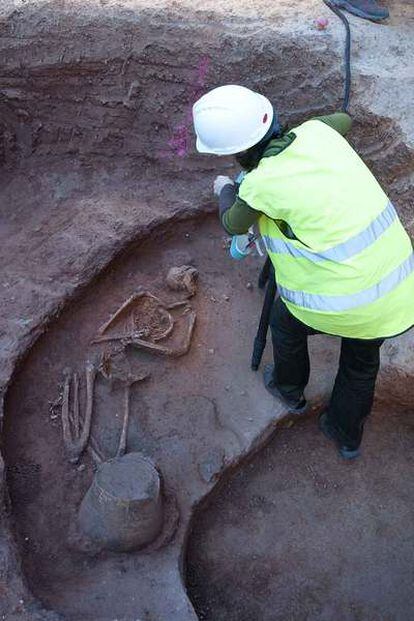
[[298, 533], [101, 195], [195, 416], [185, 417]]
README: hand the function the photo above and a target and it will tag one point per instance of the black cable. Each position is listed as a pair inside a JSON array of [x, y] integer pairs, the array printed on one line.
[[347, 89]]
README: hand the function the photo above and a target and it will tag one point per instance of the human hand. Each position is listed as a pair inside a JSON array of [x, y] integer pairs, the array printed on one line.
[[220, 182]]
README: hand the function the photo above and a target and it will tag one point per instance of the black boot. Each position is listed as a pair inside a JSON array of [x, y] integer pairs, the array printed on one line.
[[347, 452], [295, 405], [367, 9]]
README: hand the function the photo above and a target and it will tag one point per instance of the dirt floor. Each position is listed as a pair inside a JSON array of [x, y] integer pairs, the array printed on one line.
[[186, 412], [300, 534], [101, 191]]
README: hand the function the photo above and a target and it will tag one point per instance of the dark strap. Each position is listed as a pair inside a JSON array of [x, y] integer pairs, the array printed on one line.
[[260, 340], [347, 88]]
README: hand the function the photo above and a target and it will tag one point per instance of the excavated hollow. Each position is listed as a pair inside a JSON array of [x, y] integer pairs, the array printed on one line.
[[264, 529], [96, 151], [178, 416], [298, 533]]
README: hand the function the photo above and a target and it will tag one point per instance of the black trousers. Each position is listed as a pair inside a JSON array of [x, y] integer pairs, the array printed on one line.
[[353, 392]]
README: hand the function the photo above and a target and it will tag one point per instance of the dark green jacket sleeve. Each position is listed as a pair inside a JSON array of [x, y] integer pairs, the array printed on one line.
[[239, 218], [340, 121]]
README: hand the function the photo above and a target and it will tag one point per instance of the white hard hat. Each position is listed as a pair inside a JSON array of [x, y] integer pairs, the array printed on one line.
[[230, 119]]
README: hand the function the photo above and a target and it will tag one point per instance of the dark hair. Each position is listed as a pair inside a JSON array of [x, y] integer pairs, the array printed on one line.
[[250, 158]]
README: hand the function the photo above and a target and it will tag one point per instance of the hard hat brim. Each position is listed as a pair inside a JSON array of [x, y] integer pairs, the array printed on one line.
[[233, 149], [202, 148]]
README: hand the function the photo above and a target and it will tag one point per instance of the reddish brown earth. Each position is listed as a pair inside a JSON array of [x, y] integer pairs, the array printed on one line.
[[300, 534], [96, 155], [194, 416], [191, 417]]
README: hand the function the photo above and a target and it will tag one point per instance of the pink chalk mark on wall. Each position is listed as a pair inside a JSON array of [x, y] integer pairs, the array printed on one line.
[[179, 143]]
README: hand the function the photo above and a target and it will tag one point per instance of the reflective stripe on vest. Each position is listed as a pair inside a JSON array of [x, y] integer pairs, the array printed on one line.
[[339, 303], [342, 251]]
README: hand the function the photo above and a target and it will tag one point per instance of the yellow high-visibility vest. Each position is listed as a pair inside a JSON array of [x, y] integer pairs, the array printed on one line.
[[350, 270]]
